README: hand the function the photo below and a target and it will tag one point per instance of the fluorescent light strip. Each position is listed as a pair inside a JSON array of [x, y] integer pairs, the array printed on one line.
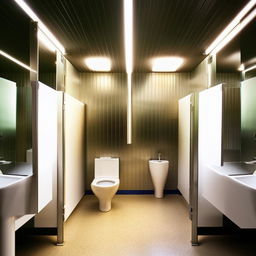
[[129, 109], [128, 40], [234, 32], [250, 68], [128, 34], [45, 41], [6, 55], [41, 25], [231, 26]]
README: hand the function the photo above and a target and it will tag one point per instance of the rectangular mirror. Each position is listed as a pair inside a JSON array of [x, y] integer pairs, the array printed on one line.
[[8, 104], [16, 97]]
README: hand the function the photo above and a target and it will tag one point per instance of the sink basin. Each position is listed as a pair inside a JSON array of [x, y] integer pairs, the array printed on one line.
[[159, 161], [6, 180], [247, 180], [159, 171], [14, 201], [14, 189], [234, 196]]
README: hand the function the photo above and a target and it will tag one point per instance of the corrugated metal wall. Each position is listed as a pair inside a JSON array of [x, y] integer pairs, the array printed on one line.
[[155, 119], [232, 120], [155, 122], [72, 80]]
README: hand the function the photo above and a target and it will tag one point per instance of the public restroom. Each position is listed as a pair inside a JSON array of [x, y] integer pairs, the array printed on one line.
[[127, 127]]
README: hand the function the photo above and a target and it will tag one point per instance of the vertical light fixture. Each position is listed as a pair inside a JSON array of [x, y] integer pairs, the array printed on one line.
[[128, 40]]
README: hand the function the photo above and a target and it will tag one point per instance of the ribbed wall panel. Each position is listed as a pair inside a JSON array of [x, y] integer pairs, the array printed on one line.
[[72, 80], [155, 122], [232, 130], [230, 79], [48, 78]]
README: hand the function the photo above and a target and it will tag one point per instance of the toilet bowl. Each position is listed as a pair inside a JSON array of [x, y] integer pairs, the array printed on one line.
[[106, 181]]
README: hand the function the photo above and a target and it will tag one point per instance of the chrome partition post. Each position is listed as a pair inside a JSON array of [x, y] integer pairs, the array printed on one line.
[[34, 65], [194, 168], [60, 85]]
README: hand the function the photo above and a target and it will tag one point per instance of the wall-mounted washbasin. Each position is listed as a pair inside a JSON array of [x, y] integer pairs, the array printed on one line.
[[14, 201], [234, 196], [159, 171], [247, 180], [6, 180], [14, 195]]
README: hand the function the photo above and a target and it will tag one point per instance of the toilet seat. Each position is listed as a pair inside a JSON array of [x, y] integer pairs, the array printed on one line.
[[106, 182]]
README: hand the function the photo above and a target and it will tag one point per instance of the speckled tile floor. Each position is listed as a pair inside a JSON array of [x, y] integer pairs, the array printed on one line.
[[137, 225]]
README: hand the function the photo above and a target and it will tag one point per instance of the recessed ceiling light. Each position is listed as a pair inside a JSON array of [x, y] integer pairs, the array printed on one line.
[[166, 64], [98, 63]]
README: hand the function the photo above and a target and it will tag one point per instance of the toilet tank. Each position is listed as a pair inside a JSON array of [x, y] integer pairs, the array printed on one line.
[[106, 167]]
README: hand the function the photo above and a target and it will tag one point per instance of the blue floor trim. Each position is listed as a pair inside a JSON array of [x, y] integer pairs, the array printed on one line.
[[140, 192]]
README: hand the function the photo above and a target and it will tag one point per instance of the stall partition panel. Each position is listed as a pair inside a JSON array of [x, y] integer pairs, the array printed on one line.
[[184, 119], [74, 156], [46, 163], [209, 149]]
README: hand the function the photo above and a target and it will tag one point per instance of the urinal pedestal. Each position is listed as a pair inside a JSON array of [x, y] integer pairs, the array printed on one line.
[[7, 236], [159, 193], [159, 172]]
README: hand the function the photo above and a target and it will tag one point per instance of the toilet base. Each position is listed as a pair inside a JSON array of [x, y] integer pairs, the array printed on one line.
[[105, 206]]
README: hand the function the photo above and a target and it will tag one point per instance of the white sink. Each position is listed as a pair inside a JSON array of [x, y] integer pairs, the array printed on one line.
[[14, 195], [247, 180], [234, 196], [14, 201], [159, 171], [159, 162], [6, 180]]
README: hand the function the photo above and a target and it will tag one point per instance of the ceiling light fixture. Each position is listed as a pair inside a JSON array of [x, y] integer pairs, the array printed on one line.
[[24, 6], [128, 45], [230, 26], [128, 35], [241, 68], [6, 55], [166, 64], [234, 32], [45, 41], [250, 68], [98, 64]]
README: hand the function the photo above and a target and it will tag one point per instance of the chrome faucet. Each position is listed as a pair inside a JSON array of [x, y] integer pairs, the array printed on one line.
[[251, 162], [159, 156], [3, 162]]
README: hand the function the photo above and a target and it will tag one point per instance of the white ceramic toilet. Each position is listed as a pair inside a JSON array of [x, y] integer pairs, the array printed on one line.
[[106, 181]]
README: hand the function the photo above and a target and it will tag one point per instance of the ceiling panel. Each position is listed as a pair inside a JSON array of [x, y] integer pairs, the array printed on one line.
[[85, 28], [161, 27], [179, 27]]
